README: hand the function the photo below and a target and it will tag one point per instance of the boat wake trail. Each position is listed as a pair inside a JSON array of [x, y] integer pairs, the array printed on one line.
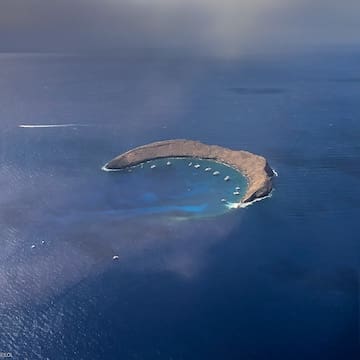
[[33, 126]]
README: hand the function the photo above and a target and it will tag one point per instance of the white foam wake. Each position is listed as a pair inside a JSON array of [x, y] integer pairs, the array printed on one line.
[[105, 168], [233, 205], [244, 205], [32, 126]]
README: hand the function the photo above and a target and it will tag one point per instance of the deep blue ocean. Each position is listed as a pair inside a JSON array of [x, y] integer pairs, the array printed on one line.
[[276, 280]]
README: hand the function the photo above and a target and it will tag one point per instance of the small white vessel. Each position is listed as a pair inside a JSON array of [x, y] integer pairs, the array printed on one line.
[[43, 242], [196, 166], [223, 200], [216, 173], [152, 166], [168, 163], [33, 246], [208, 169], [227, 178], [237, 188], [190, 164], [115, 257], [236, 193]]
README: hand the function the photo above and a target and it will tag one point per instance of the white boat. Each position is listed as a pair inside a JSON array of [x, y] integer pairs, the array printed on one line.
[[115, 257], [168, 163], [216, 173], [190, 164], [196, 166], [236, 193], [237, 188], [152, 166], [33, 246], [223, 200], [207, 169], [227, 178]]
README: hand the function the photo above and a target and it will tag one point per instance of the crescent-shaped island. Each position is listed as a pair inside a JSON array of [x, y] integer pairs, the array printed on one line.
[[254, 167]]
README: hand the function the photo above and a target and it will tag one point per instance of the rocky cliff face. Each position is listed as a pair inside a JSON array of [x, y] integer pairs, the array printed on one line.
[[254, 167]]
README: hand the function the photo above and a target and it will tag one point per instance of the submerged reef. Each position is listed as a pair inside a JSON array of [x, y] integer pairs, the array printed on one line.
[[254, 167]]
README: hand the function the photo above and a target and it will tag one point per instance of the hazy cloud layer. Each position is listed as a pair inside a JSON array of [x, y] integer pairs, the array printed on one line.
[[228, 27]]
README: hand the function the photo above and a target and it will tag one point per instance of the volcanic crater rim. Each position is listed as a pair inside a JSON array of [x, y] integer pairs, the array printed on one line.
[[254, 167]]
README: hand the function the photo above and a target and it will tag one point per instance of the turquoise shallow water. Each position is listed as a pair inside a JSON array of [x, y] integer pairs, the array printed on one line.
[[181, 187]]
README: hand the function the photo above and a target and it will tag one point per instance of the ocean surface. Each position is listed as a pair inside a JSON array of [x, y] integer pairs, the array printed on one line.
[[276, 280]]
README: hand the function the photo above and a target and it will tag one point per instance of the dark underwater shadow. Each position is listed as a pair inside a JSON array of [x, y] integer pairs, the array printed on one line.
[[349, 80], [256, 91], [342, 279]]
